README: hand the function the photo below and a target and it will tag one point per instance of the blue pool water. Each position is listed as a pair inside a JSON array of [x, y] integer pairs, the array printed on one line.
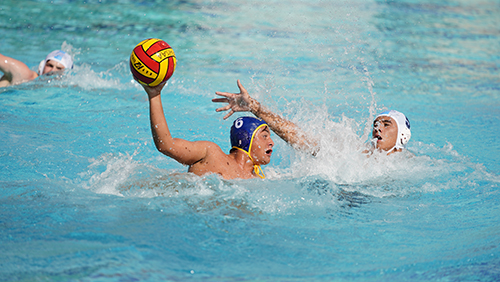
[[85, 196]]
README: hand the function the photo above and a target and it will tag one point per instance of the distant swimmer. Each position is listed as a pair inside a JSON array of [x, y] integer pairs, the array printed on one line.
[[390, 133], [17, 72], [251, 143]]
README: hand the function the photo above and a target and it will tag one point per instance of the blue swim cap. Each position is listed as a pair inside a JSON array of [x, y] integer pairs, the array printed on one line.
[[243, 131]]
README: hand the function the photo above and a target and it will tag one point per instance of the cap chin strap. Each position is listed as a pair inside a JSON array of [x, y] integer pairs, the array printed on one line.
[[256, 168], [395, 149], [396, 146]]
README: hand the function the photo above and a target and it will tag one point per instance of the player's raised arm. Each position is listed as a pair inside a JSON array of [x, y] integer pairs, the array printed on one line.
[[152, 63], [183, 151], [287, 130]]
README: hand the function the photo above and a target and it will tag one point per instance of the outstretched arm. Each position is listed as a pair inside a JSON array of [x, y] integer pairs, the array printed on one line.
[[183, 151], [14, 71], [287, 130]]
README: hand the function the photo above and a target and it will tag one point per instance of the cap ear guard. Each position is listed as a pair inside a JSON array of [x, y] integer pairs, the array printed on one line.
[[404, 133], [41, 66]]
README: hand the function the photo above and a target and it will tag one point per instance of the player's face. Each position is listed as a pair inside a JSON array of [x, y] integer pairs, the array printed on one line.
[[52, 66], [385, 130], [262, 146]]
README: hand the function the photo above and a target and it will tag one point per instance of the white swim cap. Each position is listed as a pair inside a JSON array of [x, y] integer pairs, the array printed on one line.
[[403, 123], [59, 56]]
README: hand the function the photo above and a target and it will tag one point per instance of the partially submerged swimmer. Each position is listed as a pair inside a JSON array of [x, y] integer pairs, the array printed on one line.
[[246, 137], [391, 129], [17, 72], [251, 143]]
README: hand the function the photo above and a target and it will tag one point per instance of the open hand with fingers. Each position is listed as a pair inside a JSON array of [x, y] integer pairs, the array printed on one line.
[[236, 102]]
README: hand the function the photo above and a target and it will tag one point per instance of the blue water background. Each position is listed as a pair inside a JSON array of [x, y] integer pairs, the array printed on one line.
[[85, 196]]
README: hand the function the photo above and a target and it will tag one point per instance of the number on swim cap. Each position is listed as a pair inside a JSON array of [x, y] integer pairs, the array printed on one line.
[[238, 123]]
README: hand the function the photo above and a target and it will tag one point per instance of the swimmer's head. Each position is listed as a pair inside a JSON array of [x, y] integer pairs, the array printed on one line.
[[59, 59], [403, 129], [243, 131]]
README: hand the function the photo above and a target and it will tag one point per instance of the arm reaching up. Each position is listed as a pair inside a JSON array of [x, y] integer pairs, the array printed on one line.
[[287, 130], [183, 151]]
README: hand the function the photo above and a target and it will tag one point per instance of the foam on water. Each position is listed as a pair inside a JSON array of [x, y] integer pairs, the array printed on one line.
[[335, 171]]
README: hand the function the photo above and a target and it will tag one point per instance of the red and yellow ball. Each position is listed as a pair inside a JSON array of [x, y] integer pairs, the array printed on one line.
[[152, 62]]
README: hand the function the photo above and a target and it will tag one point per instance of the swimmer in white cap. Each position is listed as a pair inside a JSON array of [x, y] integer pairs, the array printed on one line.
[[17, 72], [251, 143], [391, 129]]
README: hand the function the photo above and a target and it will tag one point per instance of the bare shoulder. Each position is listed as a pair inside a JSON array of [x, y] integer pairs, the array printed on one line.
[[215, 161], [212, 148]]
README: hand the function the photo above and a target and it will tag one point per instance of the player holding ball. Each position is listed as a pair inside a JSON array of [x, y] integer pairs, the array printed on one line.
[[152, 63]]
